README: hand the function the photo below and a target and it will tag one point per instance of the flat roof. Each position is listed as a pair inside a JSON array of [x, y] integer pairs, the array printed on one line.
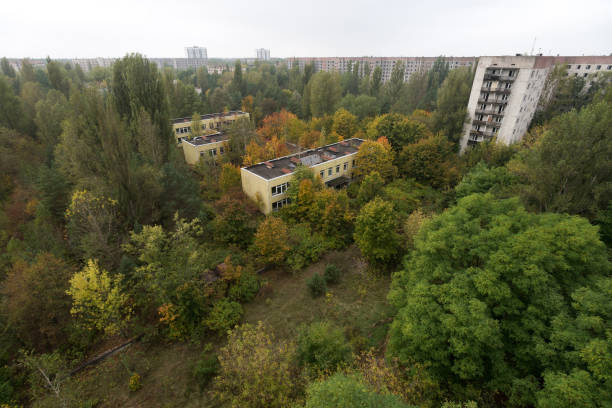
[[208, 116], [207, 139], [287, 164]]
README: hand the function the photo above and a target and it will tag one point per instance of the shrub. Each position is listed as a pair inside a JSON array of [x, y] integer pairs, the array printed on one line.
[[332, 274], [322, 347], [205, 369], [246, 288], [135, 383], [307, 247], [342, 391], [224, 315], [255, 370], [317, 285]]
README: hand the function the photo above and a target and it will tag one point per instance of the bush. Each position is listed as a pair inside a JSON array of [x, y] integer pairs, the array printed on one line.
[[205, 370], [135, 383], [332, 274], [246, 288], [322, 347], [224, 315], [342, 391], [317, 285], [307, 247]]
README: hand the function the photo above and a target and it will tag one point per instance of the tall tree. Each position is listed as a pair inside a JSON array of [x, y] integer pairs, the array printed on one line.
[[325, 93], [451, 105], [376, 233], [376, 83]]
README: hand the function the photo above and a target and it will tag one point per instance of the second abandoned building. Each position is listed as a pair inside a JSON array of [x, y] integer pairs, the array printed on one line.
[[267, 183]]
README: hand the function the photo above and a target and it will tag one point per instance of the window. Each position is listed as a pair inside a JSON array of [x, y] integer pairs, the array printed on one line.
[[280, 189], [329, 171], [221, 150], [598, 67], [277, 205], [353, 163], [585, 75], [338, 169], [345, 165], [508, 85], [177, 130], [322, 173], [569, 67], [578, 67], [588, 67], [213, 152], [504, 97]]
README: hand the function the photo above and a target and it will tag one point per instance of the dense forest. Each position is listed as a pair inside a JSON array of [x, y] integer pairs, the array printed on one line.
[[436, 279]]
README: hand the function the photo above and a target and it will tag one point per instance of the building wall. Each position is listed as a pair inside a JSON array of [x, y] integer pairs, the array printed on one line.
[[182, 130], [193, 152], [257, 187]]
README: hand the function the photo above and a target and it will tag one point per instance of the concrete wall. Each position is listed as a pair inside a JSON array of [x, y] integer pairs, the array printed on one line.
[[193, 152], [258, 188], [207, 124]]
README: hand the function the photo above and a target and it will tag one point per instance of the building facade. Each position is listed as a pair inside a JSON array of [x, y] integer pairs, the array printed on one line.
[[386, 64], [212, 145], [507, 91], [196, 52], [267, 183], [263, 54], [181, 127]]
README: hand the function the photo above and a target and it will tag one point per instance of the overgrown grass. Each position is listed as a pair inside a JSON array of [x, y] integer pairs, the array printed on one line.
[[357, 304]]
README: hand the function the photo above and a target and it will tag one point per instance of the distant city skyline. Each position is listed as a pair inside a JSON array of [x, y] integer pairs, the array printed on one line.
[[67, 29]]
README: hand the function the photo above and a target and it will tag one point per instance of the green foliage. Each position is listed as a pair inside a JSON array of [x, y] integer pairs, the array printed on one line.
[[246, 288], [205, 369], [224, 315], [451, 104], [398, 129], [479, 296], [255, 370], [370, 187], [234, 223], [375, 156], [325, 93], [482, 179], [316, 285], [98, 301], [332, 274], [375, 232], [306, 247], [342, 391], [271, 241], [568, 169], [430, 161], [321, 347], [345, 123], [361, 106], [135, 383]]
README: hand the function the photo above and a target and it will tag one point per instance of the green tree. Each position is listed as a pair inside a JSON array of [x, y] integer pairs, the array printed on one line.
[[196, 125], [451, 104], [237, 82], [7, 68], [345, 123], [376, 83], [482, 179], [374, 156], [397, 129], [98, 301], [568, 169], [430, 161], [370, 187], [11, 109], [342, 391], [375, 232], [325, 93], [321, 347], [478, 296], [394, 87], [255, 370], [58, 78]]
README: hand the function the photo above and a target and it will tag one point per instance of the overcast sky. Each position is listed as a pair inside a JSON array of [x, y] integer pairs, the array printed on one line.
[[234, 28]]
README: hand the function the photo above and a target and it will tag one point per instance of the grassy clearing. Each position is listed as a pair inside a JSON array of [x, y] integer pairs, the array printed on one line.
[[357, 304]]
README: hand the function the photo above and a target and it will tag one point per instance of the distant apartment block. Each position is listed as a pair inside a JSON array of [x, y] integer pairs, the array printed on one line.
[[196, 52], [211, 145], [386, 64], [507, 90], [212, 122], [267, 182], [262, 54]]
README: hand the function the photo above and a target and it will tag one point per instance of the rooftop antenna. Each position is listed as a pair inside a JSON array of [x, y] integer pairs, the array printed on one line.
[[533, 45]]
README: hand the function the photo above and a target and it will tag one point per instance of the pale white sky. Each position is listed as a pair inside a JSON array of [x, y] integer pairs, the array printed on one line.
[[234, 28]]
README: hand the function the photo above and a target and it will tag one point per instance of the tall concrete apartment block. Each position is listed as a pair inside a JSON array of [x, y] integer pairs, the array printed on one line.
[[263, 54], [196, 52], [411, 64], [507, 90]]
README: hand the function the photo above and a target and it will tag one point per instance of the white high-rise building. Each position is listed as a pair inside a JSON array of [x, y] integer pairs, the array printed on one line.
[[263, 54], [196, 52], [507, 90]]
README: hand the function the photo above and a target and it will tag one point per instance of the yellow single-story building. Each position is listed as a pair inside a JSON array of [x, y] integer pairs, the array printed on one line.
[[267, 182], [181, 127], [212, 145]]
